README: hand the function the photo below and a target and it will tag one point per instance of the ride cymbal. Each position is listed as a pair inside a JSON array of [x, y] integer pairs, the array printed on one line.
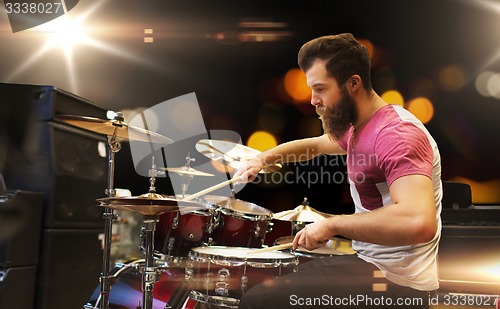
[[186, 171], [114, 127], [301, 213]]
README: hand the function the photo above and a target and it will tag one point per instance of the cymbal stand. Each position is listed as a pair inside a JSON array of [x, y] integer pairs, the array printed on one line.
[[186, 179], [149, 275], [108, 215]]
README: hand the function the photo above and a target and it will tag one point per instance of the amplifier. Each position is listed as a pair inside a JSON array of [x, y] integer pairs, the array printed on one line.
[[48, 101], [20, 247]]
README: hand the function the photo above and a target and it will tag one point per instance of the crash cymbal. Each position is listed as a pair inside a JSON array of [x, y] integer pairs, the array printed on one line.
[[115, 127], [150, 204], [301, 213], [186, 171], [230, 154]]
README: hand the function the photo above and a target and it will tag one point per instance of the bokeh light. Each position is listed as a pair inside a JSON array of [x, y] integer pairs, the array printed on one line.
[[296, 86], [369, 45], [393, 97], [451, 78], [493, 85], [422, 108], [261, 140], [481, 83], [488, 84]]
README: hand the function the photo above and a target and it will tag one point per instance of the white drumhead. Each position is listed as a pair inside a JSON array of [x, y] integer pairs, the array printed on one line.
[[240, 253]]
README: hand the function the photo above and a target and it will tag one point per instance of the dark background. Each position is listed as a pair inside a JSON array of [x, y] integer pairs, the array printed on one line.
[[237, 82]]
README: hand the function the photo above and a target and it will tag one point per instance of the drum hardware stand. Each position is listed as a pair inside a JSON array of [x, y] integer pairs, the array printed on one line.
[[299, 225], [186, 179], [106, 280], [150, 274]]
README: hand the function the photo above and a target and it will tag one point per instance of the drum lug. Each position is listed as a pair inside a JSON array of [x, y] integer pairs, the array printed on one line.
[[189, 271], [244, 283], [175, 222], [170, 245], [257, 230], [222, 287], [269, 227], [215, 222]]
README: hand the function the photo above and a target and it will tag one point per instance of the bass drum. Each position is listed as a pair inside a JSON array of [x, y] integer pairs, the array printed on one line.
[[126, 292]]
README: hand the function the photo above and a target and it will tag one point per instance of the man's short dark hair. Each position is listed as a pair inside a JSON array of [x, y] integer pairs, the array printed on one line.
[[343, 54]]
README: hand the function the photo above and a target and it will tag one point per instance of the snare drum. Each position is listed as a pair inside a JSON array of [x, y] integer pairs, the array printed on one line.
[[240, 223], [177, 234], [334, 246], [221, 275]]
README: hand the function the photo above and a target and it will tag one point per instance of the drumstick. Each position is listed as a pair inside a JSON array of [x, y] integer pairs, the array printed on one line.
[[277, 247], [213, 188]]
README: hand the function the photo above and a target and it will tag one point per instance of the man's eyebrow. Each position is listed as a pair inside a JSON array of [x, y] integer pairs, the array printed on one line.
[[316, 84]]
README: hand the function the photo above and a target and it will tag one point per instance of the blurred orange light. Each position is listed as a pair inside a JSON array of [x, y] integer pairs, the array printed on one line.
[[369, 45], [393, 97], [296, 86], [261, 140], [422, 108], [452, 78]]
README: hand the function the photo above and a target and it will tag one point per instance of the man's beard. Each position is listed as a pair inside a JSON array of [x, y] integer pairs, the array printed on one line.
[[338, 119]]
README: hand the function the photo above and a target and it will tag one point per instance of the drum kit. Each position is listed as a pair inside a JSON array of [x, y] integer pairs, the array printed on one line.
[[212, 237]]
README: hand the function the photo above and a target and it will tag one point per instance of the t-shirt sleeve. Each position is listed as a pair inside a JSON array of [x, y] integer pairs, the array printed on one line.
[[402, 150]]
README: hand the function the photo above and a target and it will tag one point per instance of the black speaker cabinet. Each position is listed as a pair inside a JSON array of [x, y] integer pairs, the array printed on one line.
[[69, 269], [456, 195], [69, 166], [21, 247], [17, 287], [47, 101]]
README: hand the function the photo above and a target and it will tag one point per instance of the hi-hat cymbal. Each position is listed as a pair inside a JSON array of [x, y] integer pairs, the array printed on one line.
[[115, 127], [186, 171], [301, 213], [231, 154], [150, 204]]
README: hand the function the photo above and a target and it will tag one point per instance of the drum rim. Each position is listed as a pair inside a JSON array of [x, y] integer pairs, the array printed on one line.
[[214, 300]]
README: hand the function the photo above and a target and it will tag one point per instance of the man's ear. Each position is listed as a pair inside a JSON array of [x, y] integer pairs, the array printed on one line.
[[355, 80], [354, 83]]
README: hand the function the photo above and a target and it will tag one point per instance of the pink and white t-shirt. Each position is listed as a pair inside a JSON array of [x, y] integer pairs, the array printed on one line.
[[392, 144]]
